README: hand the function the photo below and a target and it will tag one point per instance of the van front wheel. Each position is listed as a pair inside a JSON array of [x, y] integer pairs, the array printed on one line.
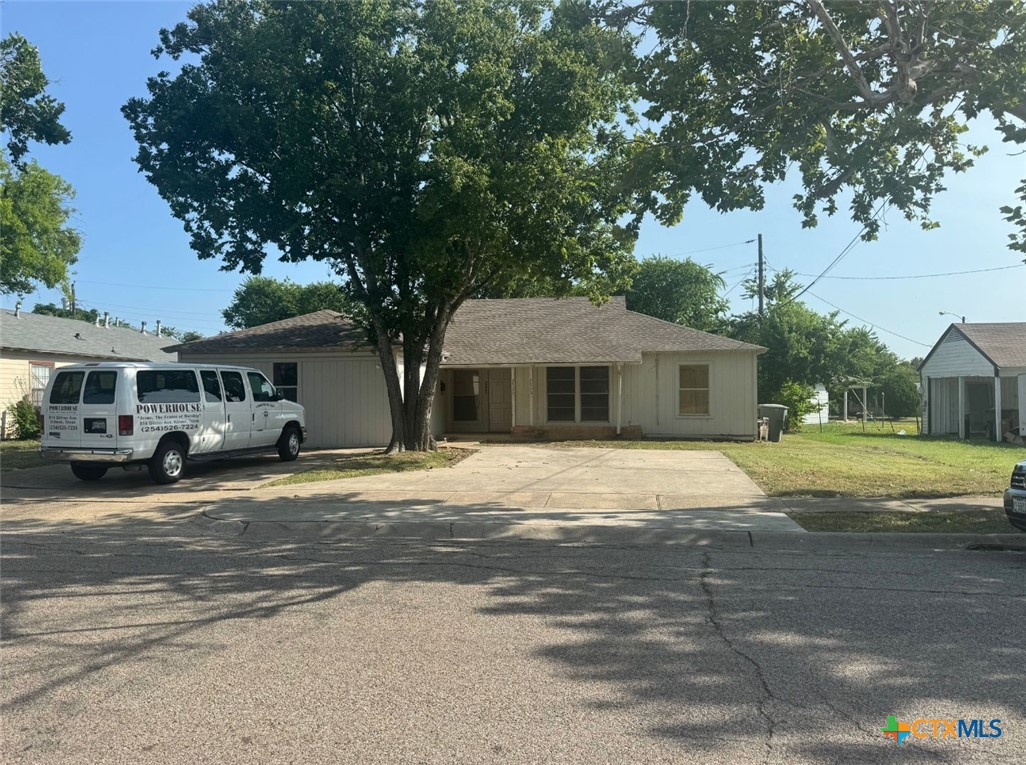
[[168, 463], [86, 472], [288, 444]]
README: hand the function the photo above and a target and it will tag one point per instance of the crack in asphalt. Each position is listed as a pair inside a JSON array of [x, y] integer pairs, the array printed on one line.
[[713, 618]]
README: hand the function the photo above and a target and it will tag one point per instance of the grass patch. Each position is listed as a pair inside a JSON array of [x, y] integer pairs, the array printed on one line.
[[842, 461], [17, 455], [961, 522], [362, 465]]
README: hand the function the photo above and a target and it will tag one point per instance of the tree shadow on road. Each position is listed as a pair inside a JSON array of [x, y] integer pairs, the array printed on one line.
[[804, 654]]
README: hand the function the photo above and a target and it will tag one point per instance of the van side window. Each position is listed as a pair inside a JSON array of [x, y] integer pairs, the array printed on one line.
[[262, 390], [167, 386], [100, 388], [234, 389], [211, 386], [67, 387]]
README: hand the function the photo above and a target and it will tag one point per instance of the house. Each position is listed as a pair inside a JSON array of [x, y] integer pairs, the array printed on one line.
[[974, 381], [32, 345], [821, 401], [529, 368]]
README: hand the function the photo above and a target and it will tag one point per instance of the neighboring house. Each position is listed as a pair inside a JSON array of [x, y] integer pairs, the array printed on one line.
[[533, 368], [33, 345], [974, 381]]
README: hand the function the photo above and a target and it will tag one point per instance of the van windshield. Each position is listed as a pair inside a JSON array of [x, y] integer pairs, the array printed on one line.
[[66, 388]]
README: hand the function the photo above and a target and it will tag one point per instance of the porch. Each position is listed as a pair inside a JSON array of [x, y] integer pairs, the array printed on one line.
[[975, 407]]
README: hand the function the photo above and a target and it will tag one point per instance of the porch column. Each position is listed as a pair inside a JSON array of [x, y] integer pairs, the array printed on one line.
[[845, 404], [865, 401], [513, 397], [619, 397], [998, 435], [530, 396], [961, 408]]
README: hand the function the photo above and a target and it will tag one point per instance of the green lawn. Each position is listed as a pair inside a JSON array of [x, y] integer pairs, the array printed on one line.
[[962, 522], [15, 455], [375, 464], [843, 461]]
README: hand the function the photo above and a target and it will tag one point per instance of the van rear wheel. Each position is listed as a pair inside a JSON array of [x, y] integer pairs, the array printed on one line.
[[288, 444], [168, 463], [87, 472]]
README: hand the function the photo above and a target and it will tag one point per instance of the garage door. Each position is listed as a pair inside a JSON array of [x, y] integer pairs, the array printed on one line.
[[346, 403]]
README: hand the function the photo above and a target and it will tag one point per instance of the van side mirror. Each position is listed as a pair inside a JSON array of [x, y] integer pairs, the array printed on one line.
[[279, 396]]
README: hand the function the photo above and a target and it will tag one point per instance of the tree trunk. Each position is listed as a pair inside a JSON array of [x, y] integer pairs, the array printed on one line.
[[390, 370]]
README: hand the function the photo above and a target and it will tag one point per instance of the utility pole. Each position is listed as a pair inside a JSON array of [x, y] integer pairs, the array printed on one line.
[[73, 300], [762, 280]]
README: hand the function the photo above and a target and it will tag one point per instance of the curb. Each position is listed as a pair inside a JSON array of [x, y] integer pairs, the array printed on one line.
[[457, 531]]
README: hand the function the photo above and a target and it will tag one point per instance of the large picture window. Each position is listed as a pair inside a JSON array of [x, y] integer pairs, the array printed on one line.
[[577, 394], [694, 390], [561, 391]]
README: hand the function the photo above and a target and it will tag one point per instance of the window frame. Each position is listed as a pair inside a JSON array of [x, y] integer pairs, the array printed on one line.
[[33, 391], [284, 388], [577, 420], [708, 390], [477, 382]]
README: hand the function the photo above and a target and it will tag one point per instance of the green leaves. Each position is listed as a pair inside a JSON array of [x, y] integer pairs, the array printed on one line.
[[27, 113], [682, 292], [262, 299]]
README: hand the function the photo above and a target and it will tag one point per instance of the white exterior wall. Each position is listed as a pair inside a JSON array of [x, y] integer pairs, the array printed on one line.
[[344, 394], [957, 358], [821, 400]]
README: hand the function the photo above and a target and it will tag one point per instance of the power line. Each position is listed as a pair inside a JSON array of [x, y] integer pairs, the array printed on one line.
[[918, 276], [150, 287], [710, 249], [746, 275], [866, 321]]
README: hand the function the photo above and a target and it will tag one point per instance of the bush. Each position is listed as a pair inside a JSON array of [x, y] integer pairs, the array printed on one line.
[[26, 420], [798, 398]]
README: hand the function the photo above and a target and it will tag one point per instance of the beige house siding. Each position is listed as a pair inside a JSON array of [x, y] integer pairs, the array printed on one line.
[[343, 394], [650, 397]]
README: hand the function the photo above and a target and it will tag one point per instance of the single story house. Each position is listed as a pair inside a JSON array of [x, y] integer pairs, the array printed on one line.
[[974, 381], [32, 345], [530, 368]]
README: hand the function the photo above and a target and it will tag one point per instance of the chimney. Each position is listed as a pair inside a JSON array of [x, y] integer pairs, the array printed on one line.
[[143, 329], [157, 333], [106, 319], [97, 321], [17, 310]]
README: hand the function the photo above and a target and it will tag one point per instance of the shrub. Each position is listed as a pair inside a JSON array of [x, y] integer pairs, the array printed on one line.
[[798, 398], [26, 420]]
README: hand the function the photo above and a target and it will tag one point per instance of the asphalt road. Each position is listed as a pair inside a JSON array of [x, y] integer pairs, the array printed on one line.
[[163, 642]]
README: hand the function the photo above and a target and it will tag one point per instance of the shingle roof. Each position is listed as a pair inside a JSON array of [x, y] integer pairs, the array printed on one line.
[[566, 331], [317, 331], [52, 335], [1004, 344]]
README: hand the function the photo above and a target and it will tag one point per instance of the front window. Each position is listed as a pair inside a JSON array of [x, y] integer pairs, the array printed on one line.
[[286, 379], [577, 394], [694, 390], [466, 387], [40, 377]]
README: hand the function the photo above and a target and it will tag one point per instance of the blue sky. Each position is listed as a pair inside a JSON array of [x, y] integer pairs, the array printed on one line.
[[136, 262]]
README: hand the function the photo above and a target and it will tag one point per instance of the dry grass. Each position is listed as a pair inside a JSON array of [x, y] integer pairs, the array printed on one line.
[[17, 455]]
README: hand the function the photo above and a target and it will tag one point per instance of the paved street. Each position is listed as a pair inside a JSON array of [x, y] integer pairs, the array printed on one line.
[[155, 642]]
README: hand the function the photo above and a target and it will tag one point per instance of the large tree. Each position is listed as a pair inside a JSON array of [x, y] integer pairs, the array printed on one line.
[[680, 291], [866, 102], [425, 150], [263, 299], [37, 244]]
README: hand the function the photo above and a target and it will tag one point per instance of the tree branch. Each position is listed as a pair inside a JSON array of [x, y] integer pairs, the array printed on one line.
[[874, 99]]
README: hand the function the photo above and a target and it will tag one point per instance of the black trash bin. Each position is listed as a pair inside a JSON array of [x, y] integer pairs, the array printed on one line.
[[777, 415]]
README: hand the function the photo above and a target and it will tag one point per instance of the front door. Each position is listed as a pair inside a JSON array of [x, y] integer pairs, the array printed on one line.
[[500, 401]]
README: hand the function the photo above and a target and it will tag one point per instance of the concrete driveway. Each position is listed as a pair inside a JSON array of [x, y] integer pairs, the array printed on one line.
[[538, 485], [535, 485]]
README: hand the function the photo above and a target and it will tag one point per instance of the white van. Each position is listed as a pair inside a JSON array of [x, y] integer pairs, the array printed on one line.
[[161, 415]]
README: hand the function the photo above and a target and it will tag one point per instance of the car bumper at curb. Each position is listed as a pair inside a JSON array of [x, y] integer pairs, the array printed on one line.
[[1016, 519], [86, 455]]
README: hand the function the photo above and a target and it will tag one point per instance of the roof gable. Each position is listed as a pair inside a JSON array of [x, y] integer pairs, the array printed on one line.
[[1003, 344], [47, 335]]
